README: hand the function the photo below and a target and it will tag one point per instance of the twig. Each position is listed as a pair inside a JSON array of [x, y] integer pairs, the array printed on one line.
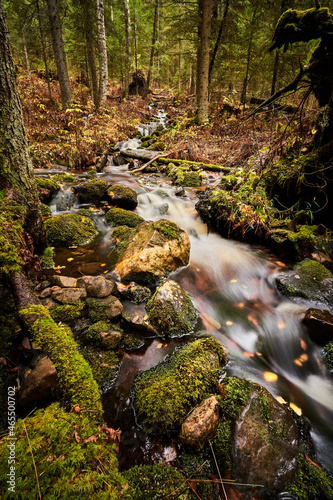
[[218, 470], [32, 455], [150, 161]]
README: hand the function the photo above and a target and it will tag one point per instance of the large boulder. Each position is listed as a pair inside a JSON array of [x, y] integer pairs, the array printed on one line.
[[122, 196], [92, 191], [257, 439], [201, 424], [165, 394], [171, 311], [154, 249], [309, 280], [69, 229], [319, 325]]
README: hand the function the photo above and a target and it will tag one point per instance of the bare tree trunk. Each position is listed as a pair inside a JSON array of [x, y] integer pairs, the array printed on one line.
[[127, 45], [203, 72], [103, 58], [59, 52], [91, 57], [152, 51], [16, 170], [219, 37], [42, 41], [179, 65]]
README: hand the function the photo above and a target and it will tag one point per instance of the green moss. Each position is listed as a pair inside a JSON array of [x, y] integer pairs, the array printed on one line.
[[104, 365], [67, 313], [74, 374], [121, 217], [73, 457], [92, 191], [157, 482], [311, 483], [47, 259], [158, 146], [328, 355], [195, 464], [169, 229], [103, 334], [131, 342], [64, 178], [11, 237], [69, 229], [45, 209], [228, 182], [163, 395], [46, 187], [184, 175]]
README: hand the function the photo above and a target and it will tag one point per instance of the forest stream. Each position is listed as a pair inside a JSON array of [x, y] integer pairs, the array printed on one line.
[[232, 287]]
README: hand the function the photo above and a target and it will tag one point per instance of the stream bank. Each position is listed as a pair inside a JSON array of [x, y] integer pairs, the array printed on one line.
[[232, 288]]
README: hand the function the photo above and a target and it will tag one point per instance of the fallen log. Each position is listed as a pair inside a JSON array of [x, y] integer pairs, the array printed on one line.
[[147, 156], [146, 164]]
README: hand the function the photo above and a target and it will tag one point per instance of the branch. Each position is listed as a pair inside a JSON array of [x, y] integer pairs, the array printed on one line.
[[150, 161]]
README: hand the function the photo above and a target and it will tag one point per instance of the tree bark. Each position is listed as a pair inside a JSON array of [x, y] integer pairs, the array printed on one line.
[[203, 61], [127, 45], [219, 37], [91, 53], [41, 32], [103, 57], [59, 52], [153, 43], [16, 170]]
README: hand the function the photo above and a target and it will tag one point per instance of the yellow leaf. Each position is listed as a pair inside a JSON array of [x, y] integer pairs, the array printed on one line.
[[229, 323], [296, 409], [102, 265], [280, 400], [70, 259], [270, 377]]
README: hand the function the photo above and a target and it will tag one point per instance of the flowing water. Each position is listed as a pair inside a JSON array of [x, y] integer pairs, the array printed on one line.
[[232, 287]]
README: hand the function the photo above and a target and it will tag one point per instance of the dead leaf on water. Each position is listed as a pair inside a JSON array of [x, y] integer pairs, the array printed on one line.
[[270, 377]]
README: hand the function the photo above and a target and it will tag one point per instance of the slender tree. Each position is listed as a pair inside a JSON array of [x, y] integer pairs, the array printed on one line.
[[127, 45], [153, 43], [205, 13], [102, 53], [59, 52], [218, 39]]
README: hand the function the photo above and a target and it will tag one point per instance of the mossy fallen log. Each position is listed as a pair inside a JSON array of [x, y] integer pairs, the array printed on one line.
[[149, 155]]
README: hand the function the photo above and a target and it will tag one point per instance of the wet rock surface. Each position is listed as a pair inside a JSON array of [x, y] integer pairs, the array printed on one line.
[[201, 424], [97, 286], [38, 383], [319, 325], [122, 197]]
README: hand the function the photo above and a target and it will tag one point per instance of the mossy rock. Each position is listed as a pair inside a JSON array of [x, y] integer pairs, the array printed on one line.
[[65, 457], [184, 175], [170, 310], [64, 178], [157, 482], [47, 259], [122, 197], [158, 146], [153, 250], [120, 217], [104, 365], [308, 280], [131, 342], [295, 244], [67, 313], [70, 229], [328, 355], [228, 182], [104, 334], [92, 191], [46, 189], [105, 309], [164, 394]]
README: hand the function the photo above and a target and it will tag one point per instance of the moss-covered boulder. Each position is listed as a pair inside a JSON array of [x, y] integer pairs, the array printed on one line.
[[120, 217], [328, 355], [92, 191], [170, 310], [153, 250], [47, 258], [122, 197], [308, 280], [105, 309], [164, 394], [184, 175], [69, 229], [46, 189], [299, 243], [65, 448], [67, 313], [104, 334]]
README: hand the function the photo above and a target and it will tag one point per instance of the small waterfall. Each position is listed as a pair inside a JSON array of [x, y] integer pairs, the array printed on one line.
[[64, 201]]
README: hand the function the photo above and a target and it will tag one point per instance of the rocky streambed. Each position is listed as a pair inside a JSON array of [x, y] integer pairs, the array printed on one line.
[[207, 351]]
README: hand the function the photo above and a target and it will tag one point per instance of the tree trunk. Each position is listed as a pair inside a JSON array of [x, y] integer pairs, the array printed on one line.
[[41, 31], [219, 37], [59, 52], [103, 57], [91, 54], [16, 170], [203, 63], [127, 45], [152, 51]]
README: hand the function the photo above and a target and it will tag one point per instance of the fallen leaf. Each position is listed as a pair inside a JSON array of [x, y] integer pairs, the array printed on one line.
[[296, 409], [270, 377]]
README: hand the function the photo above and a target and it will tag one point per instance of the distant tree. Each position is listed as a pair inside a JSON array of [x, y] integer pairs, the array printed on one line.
[[153, 43], [127, 45], [102, 53], [205, 16], [59, 52]]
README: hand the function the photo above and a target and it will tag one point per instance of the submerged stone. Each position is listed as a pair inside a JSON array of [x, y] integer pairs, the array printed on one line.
[[171, 311], [164, 394], [154, 249]]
